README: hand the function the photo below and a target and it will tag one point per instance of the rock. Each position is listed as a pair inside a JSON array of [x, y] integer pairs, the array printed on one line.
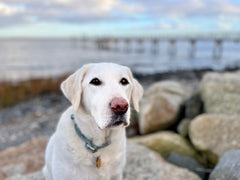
[[143, 163], [24, 159], [186, 162], [221, 92], [165, 142], [215, 134], [183, 127], [228, 167], [161, 105]]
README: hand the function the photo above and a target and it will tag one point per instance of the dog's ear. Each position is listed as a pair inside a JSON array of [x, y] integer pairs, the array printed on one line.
[[72, 86], [136, 92]]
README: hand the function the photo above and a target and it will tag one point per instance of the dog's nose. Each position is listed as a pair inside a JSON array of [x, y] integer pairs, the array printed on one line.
[[119, 106]]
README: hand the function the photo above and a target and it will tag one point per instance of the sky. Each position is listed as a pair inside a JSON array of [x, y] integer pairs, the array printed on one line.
[[77, 18]]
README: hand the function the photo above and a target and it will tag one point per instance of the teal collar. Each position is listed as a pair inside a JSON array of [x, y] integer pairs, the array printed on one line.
[[89, 145]]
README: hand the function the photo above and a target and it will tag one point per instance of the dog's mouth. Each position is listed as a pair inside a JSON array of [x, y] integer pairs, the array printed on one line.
[[118, 123], [118, 120]]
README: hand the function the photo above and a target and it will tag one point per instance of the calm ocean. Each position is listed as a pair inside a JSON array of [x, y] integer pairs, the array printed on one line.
[[24, 59]]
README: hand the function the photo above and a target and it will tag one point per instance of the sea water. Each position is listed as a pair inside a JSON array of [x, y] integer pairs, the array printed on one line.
[[27, 59]]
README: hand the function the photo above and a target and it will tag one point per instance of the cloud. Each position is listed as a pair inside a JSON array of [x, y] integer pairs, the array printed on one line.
[[78, 11], [8, 10], [14, 12]]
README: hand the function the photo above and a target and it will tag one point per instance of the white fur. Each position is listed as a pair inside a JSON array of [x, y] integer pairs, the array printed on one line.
[[66, 156]]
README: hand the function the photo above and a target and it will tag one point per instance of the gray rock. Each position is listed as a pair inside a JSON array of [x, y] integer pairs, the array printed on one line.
[[221, 92], [161, 105], [228, 167], [186, 162], [144, 164], [215, 134]]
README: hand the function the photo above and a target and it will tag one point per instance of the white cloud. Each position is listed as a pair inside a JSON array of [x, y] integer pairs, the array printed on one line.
[[6, 10], [80, 11]]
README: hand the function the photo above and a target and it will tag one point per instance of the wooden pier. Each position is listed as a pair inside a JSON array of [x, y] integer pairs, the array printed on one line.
[[111, 43]]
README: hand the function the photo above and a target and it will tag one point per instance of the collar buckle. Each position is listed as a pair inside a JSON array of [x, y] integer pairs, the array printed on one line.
[[91, 147]]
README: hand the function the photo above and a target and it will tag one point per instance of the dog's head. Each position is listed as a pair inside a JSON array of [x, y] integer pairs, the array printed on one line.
[[103, 90]]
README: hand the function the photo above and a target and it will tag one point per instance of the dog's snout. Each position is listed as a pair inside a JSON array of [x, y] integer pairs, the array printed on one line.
[[119, 106]]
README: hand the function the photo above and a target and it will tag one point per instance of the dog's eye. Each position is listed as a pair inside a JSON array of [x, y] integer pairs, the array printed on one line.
[[96, 82], [124, 81]]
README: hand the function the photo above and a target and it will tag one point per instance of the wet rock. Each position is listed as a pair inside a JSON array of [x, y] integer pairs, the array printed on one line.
[[143, 163], [215, 134], [166, 142], [228, 167], [221, 92], [161, 105]]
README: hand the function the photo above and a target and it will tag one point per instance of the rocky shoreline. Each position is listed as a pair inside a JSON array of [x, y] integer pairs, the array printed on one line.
[[190, 119]]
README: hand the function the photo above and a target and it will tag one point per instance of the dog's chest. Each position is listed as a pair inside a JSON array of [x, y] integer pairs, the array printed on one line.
[[107, 157]]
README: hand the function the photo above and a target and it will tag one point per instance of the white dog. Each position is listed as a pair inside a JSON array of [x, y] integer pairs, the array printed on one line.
[[90, 141]]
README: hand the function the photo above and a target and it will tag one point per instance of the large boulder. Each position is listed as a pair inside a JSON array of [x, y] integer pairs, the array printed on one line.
[[221, 92], [160, 105], [228, 167], [143, 163], [166, 142], [215, 134]]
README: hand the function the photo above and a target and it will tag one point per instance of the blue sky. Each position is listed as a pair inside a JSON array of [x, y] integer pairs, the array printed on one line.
[[75, 18]]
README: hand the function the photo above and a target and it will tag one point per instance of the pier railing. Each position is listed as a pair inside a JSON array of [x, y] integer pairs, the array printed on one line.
[[217, 51]]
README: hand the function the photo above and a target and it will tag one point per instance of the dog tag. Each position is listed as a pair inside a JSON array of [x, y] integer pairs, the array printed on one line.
[[98, 162]]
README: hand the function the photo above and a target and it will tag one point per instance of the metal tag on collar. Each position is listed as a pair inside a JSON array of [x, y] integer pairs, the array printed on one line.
[[89, 146]]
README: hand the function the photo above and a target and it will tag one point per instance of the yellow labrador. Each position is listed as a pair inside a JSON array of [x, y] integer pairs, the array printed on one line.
[[90, 141]]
